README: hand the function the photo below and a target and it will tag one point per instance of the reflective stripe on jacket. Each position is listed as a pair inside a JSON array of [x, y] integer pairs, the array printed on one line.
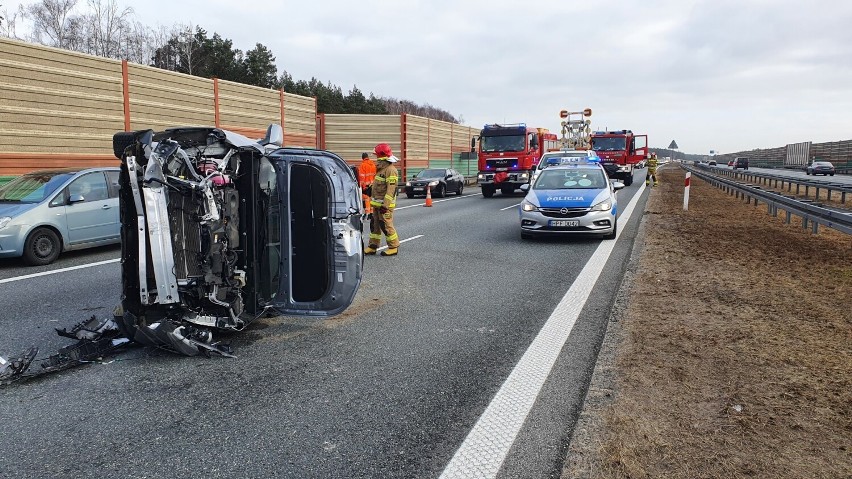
[[384, 185]]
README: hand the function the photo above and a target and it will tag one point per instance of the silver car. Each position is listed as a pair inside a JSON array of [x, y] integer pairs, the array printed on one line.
[[49, 211], [570, 199]]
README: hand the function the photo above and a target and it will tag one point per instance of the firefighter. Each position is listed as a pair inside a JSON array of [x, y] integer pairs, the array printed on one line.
[[383, 202], [366, 173], [652, 170]]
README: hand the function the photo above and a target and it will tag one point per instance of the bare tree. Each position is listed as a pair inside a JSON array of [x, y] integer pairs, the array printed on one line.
[[51, 21], [9, 23], [106, 28]]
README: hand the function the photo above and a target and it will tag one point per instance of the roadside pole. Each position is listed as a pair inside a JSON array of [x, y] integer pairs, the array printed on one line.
[[686, 192]]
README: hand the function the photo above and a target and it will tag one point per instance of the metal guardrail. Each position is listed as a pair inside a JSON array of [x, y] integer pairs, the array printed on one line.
[[812, 214], [807, 184]]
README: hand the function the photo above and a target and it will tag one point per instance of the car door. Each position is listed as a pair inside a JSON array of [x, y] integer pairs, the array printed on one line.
[[322, 249], [90, 214]]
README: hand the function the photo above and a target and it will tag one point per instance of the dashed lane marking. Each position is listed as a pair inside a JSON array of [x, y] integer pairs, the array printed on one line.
[[510, 207], [435, 201], [57, 271], [485, 448], [402, 241]]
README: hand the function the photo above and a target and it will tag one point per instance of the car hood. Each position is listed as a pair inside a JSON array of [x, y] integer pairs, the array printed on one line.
[[15, 209], [580, 198]]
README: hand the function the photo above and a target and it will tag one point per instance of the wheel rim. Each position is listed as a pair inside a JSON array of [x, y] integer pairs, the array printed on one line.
[[43, 246]]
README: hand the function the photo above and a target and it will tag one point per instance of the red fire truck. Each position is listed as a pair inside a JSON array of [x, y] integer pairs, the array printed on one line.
[[508, 154], [620, 151]]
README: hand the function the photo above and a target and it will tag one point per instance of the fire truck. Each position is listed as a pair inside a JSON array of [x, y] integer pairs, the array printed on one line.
[[620, 151], [508, 154]]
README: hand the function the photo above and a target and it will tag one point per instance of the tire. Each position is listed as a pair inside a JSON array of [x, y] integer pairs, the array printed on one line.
[[461, 188], [610, 236], [440, 191], [42, 247], [409, 195], [488, 192], [628, 181], [831, 174]]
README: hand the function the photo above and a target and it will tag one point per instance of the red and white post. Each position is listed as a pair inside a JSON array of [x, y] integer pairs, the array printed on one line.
[[686, 191]]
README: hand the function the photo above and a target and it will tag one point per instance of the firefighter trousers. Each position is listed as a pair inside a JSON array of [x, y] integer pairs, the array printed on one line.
[[383, 224]]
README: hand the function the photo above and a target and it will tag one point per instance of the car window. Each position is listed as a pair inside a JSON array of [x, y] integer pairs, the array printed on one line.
[[112, 180], [91, 186], [32, 188]]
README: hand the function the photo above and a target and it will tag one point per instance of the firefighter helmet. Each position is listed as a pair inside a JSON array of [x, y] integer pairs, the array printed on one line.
[[383, 150]]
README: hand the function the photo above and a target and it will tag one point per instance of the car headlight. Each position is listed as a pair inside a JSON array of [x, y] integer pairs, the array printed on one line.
[[407, 183], [604, 205], [433, 183], [4, 221], [524, 175], [527, 206], [481, 177]]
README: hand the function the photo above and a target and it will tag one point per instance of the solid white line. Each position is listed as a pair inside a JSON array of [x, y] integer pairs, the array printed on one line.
[[435, 201], [510, 207], [485, 448], [61, 270], [402, 241]]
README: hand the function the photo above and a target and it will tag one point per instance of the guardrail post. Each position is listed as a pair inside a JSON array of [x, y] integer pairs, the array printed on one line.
[[686, 192], [789, 217]]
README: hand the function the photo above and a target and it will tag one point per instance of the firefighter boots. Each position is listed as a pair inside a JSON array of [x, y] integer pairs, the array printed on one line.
[[390, 252], [369, 250]]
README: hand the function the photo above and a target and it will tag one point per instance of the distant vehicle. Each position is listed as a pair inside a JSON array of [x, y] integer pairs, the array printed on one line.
[[711, 163], [820, 168], [441, 180], [740, 162], [569, 200], [730, 162], [46, 212]]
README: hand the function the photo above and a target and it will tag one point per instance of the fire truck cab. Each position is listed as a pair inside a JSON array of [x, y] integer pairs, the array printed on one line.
[[508, 155], [620, 151]]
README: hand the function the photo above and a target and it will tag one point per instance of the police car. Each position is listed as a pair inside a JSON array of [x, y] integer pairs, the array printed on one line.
[[552, 158], [569, 199]]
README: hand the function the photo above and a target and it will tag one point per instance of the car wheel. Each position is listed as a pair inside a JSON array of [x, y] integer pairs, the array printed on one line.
[[610, 236], [488, 192], [831, 174], [628, 181], [42, 247], [409, 195], [440, 191], [461, 188]]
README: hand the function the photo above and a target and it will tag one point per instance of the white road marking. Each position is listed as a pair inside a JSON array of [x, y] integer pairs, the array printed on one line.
[[485, 448], [56, 271], [435, 201], [510, 207], [402, 241]]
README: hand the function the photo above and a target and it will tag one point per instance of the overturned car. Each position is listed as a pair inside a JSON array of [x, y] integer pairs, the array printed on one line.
[[217, 230]]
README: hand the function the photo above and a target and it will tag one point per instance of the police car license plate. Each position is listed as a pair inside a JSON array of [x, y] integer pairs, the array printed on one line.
[[418, 189], [564, 223]]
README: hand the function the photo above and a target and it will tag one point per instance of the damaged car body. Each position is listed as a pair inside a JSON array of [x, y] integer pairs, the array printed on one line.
[[217, 230]]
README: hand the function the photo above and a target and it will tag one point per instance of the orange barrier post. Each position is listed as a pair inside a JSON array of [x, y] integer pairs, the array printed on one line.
[[428, 196]]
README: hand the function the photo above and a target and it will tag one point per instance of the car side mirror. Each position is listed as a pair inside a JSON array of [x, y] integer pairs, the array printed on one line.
[[76, 199], [525, 187], [473, 144], [274, 136], [617, 185]]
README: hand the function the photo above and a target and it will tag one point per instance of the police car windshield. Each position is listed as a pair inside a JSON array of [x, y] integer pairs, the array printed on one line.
[[570, 179]]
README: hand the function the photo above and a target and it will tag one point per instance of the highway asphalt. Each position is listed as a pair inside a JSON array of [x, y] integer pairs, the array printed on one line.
[[389, 388]]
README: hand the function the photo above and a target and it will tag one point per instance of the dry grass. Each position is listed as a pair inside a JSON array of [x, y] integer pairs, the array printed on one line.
[[735, 357]]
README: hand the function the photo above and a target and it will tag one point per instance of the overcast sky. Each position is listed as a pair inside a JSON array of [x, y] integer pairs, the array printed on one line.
[[723, 75]]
